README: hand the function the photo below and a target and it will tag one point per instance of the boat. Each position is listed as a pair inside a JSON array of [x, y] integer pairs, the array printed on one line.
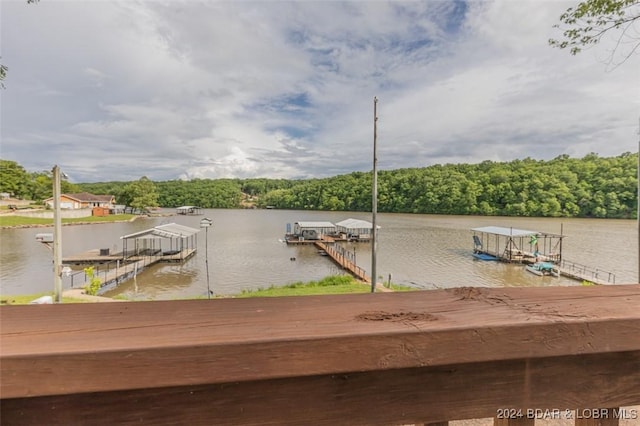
[[543, 268], [484, 256]]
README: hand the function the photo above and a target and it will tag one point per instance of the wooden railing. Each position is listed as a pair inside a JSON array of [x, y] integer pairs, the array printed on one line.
[[367, 359]]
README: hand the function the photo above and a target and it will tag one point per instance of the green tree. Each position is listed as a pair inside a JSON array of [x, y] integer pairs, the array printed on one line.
[[140, 195], [14, 179], [590, 20]]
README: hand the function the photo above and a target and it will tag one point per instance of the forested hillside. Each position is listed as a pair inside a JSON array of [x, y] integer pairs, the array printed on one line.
[[587, 187]]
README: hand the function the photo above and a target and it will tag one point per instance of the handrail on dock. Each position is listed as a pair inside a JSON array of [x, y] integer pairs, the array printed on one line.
[[375, 359], [579, 271], [345, 259]]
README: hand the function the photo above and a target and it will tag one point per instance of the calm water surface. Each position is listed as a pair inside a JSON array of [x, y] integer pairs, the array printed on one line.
[[246, 252]]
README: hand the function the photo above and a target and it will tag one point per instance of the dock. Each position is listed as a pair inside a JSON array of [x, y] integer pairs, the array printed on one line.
[[580, 272], [116, 268], [343, 258], [527, 247]]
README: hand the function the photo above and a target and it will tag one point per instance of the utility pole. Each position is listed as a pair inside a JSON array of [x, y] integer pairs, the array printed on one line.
[[374, 198], [638, 196], [57, 236]]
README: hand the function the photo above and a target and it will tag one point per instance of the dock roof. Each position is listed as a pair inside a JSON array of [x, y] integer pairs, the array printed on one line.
[[311, 224], [169, 230], [356, 224], [506, 232]]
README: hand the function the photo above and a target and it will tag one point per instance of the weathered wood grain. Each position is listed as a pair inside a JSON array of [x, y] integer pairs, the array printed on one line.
[[419, 357], [405, 396]]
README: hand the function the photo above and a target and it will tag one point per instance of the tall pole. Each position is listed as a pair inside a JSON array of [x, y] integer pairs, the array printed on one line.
[[57, 236], [374, 198], [206, 259], [638, 196], [206, 223]]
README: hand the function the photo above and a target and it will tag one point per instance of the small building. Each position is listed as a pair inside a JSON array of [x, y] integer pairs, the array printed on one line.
[[83, 200], [100, 211]]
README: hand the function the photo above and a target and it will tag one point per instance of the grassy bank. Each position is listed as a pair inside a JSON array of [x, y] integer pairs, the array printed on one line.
[[17, 221], [24, 299], [336, 284]]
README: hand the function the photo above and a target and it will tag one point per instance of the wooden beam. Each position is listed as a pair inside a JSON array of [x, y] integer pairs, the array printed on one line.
[[405, 396], [418, 357]]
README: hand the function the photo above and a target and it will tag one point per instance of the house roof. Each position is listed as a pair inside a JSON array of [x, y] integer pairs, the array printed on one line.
[[169, 230], [86, 197]]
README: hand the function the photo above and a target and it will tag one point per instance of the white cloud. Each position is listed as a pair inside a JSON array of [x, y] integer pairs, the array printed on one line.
[[117, 90]]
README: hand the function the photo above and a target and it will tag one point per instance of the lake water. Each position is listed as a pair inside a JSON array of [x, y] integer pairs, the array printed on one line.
[[246, 252]]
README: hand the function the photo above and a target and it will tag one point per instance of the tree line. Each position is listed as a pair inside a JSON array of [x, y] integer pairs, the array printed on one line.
[[592, 186]]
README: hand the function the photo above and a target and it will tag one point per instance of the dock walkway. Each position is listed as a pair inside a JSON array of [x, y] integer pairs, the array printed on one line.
[[118, 268], [584, 273], [343, 258]]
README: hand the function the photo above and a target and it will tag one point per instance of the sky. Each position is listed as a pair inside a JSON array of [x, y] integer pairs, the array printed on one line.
[[190, 89]]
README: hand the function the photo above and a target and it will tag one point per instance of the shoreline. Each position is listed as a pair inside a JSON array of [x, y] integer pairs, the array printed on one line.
[[46, 225]]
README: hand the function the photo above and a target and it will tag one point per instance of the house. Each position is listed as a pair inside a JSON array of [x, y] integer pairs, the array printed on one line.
[[83, 200]]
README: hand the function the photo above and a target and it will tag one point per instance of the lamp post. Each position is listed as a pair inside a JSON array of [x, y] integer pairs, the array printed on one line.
[[206, 224]]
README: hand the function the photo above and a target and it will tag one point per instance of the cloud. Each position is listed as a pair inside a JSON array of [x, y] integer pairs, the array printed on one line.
[[184, 89]]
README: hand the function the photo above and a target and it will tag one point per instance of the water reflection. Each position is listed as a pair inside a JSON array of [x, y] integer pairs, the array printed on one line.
[[245, 252]]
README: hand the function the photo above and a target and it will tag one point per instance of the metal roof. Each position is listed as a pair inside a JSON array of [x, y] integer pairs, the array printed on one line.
[[169, 230], [309, 224], [507, 232], [356, 224]]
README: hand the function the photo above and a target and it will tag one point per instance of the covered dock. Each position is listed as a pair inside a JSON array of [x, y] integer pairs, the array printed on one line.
[[181, 240], [355, 229], [516, 245], [309, 231], [189, 210]]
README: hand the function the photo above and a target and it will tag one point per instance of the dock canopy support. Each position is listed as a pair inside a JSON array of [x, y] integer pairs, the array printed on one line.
[[517, 245], [149, 242]]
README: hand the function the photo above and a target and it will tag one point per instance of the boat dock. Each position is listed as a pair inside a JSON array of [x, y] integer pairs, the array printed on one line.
[[343, 258], [528, 247], [116, 268], [140, 250]]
